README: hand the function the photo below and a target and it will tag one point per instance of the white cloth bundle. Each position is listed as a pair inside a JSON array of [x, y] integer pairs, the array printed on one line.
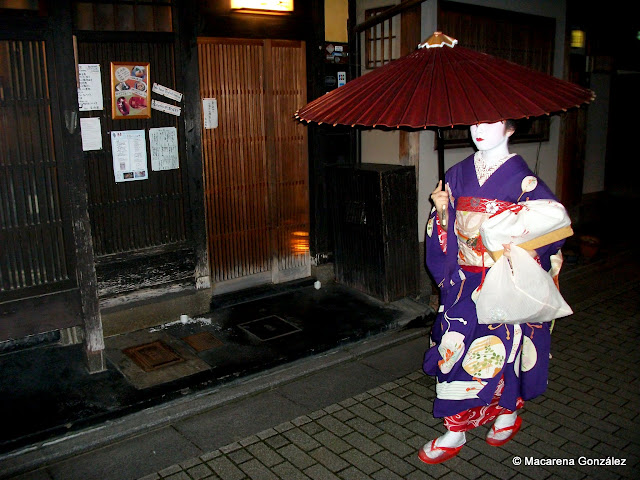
[[531, 224], [518, 290]]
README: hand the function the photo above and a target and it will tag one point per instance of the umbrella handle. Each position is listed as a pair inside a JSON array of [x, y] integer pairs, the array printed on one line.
[[440, 155], [443, 214]]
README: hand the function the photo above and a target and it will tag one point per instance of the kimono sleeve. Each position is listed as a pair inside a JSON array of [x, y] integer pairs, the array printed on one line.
[[441, 246], [435, 247], [543, 192]]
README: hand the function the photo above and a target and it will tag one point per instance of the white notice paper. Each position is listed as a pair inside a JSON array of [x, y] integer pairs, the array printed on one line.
[[91, 134], [167, 92], [129, 150], [90, 87], [210, 110], [166, 107], [163, 143]]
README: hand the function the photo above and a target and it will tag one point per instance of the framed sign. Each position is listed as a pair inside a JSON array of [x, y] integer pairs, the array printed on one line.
[[130, 90]]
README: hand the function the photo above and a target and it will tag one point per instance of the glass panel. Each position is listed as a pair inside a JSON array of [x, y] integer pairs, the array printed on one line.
[[83, 16], [123, 16], [144, 18], [162, 18], [103, 17]]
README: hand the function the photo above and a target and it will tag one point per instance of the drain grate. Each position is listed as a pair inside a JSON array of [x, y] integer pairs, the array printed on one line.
[[152, 356], [268, 328], [202, 341]]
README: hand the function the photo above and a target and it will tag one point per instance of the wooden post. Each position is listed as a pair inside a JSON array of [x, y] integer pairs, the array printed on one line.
[[61, 26], [409, 39], [186, 16]]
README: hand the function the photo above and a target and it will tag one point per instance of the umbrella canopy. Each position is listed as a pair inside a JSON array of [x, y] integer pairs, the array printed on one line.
[[442, 85]]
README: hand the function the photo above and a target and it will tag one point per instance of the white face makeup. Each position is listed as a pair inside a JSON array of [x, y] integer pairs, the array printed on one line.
[[488, 136]]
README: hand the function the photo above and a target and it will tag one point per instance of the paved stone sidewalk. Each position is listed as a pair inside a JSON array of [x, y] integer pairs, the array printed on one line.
[[589, 414]]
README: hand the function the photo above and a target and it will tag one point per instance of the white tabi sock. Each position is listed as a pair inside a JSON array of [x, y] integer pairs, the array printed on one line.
[[503, 421], [451, 439]]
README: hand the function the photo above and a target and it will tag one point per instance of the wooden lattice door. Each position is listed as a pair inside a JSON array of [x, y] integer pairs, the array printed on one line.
[[38, 291], [255, 162]]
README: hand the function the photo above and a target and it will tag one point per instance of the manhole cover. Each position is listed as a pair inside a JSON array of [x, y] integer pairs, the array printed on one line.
[[152, 356], [268, 328], [202, 341]]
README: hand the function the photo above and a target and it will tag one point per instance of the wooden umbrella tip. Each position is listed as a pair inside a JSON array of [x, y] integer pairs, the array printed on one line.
[[438, 39]]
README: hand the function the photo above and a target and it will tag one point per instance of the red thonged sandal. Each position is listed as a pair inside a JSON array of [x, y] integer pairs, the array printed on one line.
[[494, 431], [447, 453]]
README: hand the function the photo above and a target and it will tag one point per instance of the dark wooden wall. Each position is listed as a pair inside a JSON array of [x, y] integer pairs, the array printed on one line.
[[141, 219], [134, 234]]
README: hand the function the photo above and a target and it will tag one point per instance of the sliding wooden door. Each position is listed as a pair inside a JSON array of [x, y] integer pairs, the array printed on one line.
[[255, 162], [38, 291]]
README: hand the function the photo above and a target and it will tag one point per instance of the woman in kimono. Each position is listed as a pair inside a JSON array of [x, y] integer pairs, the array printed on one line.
[[484, 372]]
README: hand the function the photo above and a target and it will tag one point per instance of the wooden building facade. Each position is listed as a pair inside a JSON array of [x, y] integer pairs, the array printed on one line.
[[234, 213]]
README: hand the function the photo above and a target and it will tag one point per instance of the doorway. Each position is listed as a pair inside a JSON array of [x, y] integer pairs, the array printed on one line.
[[255, 162]]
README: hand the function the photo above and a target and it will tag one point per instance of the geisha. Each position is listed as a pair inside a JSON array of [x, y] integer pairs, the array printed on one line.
[[484, 372]]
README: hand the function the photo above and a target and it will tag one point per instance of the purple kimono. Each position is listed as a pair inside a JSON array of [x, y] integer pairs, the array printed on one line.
[[469, 358]]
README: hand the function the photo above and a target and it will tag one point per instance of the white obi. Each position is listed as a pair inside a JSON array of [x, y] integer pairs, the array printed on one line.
[[471, 212]]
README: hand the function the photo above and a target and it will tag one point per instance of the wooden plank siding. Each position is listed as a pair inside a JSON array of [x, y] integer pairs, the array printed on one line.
[[141, 229], [131, 216], [255, 162]]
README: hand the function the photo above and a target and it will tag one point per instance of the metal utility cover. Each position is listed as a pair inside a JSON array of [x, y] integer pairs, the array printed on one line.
[[152, 356], [269, 328], [202, 341]]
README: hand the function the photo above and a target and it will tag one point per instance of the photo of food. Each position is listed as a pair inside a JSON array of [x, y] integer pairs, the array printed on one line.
[[129, 88]]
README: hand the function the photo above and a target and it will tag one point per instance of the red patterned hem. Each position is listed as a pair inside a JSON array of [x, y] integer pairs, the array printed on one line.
[[477, 416]]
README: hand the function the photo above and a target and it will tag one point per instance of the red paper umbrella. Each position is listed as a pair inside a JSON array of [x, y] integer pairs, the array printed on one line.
[[441, 85]]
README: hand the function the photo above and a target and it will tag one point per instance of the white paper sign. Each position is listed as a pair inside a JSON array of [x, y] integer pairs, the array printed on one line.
[[210, 110], [91, 133], [167, 92], [90, 87], [163, 144], [129, 150], [166, 108]]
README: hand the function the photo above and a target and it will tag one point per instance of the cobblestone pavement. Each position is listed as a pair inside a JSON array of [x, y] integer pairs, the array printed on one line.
[[589, 414]]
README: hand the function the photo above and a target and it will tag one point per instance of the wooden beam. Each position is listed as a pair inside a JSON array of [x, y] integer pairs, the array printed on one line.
[[71, 151], [186, 32], [409, 39]]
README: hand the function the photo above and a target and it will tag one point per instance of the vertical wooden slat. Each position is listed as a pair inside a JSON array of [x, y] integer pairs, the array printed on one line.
[[253, 161], [229, 73], [291, 157], [32, 251]]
